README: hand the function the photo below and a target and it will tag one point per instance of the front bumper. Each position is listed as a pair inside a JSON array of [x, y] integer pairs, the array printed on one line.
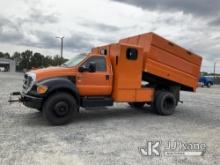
[[27, 100]]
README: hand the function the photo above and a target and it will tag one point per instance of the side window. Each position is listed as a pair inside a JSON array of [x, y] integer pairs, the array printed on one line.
[[132, 54], [99, 61], [103, 51]]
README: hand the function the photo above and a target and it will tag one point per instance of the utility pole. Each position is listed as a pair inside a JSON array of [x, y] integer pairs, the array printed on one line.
[[214, 69], [215, 64], [61, 46]]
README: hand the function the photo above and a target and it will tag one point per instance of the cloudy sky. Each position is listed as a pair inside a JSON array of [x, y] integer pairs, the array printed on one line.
[[34, 24]]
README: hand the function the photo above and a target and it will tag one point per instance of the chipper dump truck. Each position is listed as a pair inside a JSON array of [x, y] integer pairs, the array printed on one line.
[[139, 70]]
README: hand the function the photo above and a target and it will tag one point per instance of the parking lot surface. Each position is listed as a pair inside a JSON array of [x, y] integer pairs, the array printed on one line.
[[111, 135]]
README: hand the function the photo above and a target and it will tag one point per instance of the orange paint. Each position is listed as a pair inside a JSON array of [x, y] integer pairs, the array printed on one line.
[[123, 78]]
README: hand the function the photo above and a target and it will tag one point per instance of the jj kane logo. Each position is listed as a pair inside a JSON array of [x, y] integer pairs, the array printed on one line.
[[172, 148], [152, 148]]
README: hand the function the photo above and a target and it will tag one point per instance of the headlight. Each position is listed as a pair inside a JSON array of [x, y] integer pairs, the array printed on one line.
[[29, 80], [41, 89], [32, 75]]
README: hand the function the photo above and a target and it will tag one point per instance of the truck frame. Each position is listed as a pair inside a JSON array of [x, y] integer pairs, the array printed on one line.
[[139, 70]]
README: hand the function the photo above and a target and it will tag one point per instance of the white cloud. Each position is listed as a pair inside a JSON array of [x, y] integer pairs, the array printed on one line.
[[33, 24]]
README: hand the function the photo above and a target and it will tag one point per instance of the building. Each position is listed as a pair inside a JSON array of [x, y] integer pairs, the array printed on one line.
[[7, 65]]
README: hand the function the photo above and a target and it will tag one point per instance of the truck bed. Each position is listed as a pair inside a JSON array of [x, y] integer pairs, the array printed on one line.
[[167, 61]]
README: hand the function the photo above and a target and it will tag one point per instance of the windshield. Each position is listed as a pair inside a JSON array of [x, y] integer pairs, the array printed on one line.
[[75, 60]]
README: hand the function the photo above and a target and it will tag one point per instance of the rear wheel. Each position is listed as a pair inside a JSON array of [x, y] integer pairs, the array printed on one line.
[[39, 109], [209, 84], [60, 108], [165, 103], [137, 105]]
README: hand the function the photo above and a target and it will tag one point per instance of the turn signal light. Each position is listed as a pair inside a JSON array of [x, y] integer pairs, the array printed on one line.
[[42, 89]]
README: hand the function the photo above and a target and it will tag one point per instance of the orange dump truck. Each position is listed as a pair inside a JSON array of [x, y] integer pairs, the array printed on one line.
[[139, 70]]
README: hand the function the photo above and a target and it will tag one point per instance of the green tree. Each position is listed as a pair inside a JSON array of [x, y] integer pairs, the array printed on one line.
[[48, 61], [37, 60], [4, 55], [56, 60], [17, 57], [26, 59]]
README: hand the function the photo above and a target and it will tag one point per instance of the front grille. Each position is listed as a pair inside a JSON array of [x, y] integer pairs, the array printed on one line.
[[27, 82]]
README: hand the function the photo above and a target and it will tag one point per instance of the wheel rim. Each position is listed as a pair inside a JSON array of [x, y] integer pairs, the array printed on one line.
[[168, 103], [61, 109]]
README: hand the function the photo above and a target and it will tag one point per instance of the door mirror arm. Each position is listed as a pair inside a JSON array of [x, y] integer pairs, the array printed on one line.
[[90, 68], [83, 68]]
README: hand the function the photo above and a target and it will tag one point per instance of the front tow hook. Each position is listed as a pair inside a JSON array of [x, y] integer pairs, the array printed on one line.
[[12, 100]]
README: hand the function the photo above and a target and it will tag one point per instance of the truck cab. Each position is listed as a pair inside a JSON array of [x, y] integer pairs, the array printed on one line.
[[120, 72]]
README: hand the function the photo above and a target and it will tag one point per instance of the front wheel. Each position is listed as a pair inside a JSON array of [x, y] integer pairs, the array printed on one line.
[[59, 108], [165, 103]]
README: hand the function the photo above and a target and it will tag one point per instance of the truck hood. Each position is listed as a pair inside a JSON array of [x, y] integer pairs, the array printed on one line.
[[54, 72]]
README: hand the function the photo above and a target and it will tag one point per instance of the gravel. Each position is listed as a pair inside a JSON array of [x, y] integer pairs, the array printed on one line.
[[110, 135]]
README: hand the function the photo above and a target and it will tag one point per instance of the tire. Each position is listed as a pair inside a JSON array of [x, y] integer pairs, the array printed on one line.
[[39, 109], [153, 103], [202, 85], [209, 84], [60, 108], [165, 103], [137, 105]]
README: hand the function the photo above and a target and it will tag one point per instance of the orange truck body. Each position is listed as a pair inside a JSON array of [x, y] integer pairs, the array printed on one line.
[[141, 69], [164, 59], [158, 59], [168, 60]]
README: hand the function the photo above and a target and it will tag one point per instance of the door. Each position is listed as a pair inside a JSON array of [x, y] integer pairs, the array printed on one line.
[[127, 73], [98, 83]]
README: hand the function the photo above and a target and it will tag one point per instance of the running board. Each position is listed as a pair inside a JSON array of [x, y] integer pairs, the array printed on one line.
[[93, 101]]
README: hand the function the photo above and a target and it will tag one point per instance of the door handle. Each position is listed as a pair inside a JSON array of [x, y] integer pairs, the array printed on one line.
[[107, 77], [116, 60]]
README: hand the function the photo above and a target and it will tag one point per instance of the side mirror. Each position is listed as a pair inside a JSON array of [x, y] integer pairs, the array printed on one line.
[[83, 68], [92, 67]]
